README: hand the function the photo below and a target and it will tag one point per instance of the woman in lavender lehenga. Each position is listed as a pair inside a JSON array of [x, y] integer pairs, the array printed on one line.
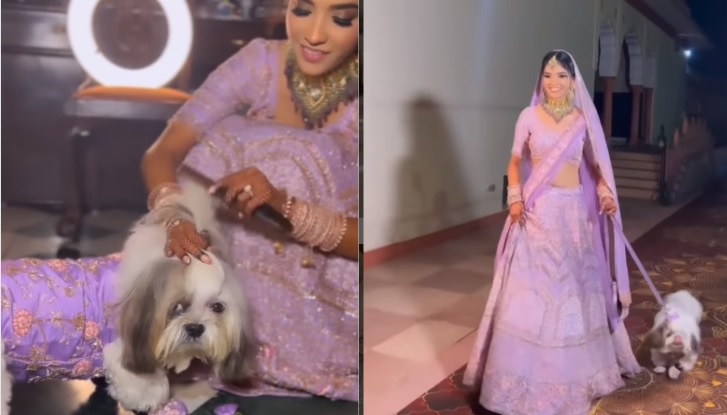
[[552, 337], [295, 148]]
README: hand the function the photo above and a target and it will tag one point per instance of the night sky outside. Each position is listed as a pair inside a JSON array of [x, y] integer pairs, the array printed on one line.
[[711, 16]]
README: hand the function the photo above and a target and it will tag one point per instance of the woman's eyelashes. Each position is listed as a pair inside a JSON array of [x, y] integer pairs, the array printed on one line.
[[343, 22], [300, 12], [340, 21]]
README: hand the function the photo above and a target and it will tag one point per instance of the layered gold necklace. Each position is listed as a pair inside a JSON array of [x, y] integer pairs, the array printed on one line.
[[316, 98], [558, 109]]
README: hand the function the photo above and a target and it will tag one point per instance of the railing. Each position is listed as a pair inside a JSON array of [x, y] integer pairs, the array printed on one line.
[[664, 196], [691, 141]]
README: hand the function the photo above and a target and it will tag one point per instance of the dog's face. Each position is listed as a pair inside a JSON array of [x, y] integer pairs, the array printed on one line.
[[176, 313], [671, 339], [203, 321]]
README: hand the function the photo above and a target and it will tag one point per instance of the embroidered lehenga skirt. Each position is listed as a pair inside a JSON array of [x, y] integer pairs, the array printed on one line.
[[544, 345]]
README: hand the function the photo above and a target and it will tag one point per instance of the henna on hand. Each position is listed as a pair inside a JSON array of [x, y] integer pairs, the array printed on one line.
[[184, 241]]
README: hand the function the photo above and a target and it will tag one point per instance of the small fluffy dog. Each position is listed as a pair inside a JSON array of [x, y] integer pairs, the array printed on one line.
[[675, 340], [170, 313]]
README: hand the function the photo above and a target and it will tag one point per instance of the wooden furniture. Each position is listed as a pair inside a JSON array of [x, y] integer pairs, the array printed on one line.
[[39, 74]]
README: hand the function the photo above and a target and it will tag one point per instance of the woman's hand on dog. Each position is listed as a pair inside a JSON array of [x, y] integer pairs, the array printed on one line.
[[184, 242], [247, 190]]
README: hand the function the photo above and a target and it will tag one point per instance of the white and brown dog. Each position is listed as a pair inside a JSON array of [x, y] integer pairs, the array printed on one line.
[[171, 313], [675, 339]]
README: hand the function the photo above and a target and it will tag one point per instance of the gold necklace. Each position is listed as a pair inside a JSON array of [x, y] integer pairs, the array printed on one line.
[[558, 109], [316, 98]]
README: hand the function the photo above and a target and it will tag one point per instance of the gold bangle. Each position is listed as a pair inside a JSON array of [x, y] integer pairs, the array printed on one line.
[[336, 238], [159, 191]]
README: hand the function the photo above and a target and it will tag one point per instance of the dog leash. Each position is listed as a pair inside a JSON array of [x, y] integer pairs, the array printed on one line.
[[638, 263]]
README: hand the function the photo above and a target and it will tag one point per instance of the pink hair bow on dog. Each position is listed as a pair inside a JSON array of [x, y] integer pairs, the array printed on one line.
[[672, 316]]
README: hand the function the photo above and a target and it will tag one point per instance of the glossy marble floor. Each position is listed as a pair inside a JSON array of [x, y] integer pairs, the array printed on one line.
[[31, 233], [421, 311]]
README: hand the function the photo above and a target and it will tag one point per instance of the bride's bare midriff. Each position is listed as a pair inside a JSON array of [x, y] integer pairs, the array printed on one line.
[[567, 177]]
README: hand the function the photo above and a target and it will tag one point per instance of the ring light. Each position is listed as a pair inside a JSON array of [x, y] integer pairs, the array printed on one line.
[[105, 72]]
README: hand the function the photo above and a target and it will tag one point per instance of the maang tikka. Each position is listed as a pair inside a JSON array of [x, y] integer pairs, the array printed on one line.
[[553, 61]]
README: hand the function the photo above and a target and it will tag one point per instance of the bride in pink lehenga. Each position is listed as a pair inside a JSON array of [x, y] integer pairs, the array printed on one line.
[[552, 337]]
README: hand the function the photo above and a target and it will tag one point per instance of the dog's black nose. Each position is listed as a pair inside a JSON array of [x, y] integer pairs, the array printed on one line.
[[194, 330]]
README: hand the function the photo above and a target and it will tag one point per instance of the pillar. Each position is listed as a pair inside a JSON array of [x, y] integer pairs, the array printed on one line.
[[607, 119], [636, 91]]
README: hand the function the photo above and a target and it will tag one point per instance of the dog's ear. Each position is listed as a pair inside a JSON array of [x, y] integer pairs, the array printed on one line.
[[237, 366], [655, 337], [141, 321], [696, 344]]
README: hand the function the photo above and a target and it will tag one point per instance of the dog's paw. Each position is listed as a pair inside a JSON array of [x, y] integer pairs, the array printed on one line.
[[139, 393], [674, 373], [135, 392], [659, 369]]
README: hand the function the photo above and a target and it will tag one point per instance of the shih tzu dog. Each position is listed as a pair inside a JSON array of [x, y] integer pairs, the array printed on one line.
[[675, 339], [170, 313]]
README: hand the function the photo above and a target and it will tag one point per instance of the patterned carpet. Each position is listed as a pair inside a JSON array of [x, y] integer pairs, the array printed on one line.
[[688, 250]]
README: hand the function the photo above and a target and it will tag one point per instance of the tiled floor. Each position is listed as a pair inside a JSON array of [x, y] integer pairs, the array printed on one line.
[[31, 233], [421, 312], [686, 251]]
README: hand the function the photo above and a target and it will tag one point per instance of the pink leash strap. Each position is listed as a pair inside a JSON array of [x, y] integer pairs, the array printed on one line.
[[638, 263]]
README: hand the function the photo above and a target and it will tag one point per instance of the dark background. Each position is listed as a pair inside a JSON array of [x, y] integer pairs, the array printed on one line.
[[711, 15]]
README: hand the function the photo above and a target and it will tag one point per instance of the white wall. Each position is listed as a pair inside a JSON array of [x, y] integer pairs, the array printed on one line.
[[471, 66]]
